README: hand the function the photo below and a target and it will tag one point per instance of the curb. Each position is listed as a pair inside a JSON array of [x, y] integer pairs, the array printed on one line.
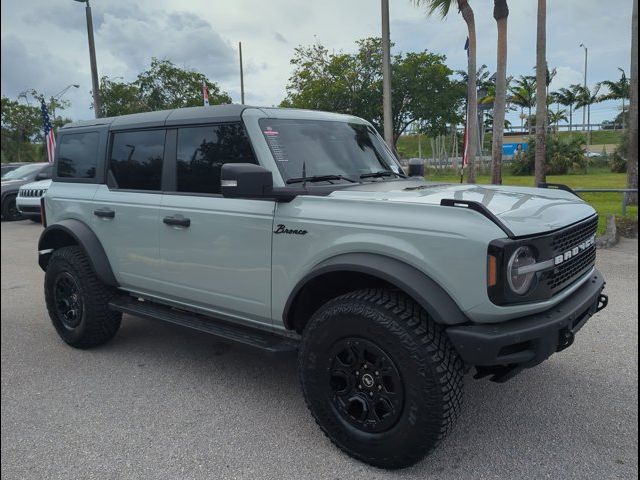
[[610, 237]]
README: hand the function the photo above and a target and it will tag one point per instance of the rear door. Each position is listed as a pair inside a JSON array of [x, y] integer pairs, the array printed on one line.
[[126, 209], [215, 252]]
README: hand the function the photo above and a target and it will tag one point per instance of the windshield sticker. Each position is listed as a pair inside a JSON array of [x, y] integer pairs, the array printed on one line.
[[273, 141]]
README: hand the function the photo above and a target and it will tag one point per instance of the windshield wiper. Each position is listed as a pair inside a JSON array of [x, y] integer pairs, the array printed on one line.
[[319, 178], [382, 173]]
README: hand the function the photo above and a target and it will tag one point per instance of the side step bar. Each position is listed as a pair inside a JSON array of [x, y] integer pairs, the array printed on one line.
[[266, 341]]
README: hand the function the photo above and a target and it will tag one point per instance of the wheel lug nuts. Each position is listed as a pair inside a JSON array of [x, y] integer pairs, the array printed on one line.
[[371, 394], [379, 387], [377, 373], [357, 372], [360, 387]]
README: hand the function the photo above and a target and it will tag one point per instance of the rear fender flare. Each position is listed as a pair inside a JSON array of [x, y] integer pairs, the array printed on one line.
[[74, 232]]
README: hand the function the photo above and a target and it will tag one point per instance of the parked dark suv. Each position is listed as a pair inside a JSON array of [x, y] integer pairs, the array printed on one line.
[[13, 180]]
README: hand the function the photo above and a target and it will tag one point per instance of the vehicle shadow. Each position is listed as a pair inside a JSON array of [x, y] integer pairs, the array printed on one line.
[[504, 428]]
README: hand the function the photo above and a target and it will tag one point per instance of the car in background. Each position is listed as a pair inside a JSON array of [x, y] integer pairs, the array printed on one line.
[[13, 180], [28, 201], [7, 167]]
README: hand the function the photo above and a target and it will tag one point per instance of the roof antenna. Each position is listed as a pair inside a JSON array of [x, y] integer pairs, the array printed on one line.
[[304, 174]]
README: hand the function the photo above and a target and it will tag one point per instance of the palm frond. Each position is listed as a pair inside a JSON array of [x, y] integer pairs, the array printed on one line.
[[441, 6]]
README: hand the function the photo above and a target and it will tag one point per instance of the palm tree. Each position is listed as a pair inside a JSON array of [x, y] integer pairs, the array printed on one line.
[[541, 92], [586, 98], [500, 13], [556, 117], [523, 94], [618, 90], [443, 6], [632, 157], [567, 98]]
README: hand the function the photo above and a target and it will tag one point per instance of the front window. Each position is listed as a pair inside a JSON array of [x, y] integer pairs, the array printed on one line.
[[308, 148], [25, 172]]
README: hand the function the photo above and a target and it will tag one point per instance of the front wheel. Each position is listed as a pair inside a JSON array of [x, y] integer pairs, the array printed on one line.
[[10, 212], [380, 378], [77, 301]]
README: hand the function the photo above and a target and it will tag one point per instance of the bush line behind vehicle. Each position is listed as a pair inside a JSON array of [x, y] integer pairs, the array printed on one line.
[[297, 230]]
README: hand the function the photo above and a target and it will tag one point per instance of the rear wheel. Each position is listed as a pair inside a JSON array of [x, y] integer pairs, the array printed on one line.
[[77, 301], [10, 210], [380, 378]]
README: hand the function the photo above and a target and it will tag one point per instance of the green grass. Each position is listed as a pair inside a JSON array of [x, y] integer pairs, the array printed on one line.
[[604, 203]]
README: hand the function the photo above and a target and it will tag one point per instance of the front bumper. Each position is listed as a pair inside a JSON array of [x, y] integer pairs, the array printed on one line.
[[525, 342]]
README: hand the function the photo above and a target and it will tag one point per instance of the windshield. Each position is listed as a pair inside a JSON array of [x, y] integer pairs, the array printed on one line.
[[23, 173], [316, 148]]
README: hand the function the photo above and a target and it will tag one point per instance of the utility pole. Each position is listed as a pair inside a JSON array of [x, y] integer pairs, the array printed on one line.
[[241, 75], [386, 76], [586, 57], [92, 58]]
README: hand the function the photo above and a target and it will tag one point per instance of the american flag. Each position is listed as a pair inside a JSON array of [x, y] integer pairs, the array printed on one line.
[[49, 136]]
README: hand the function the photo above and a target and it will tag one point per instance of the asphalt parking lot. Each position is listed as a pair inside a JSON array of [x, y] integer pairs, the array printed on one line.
[[164, 402]]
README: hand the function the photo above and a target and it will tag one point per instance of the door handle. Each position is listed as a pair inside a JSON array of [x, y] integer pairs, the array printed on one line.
[[104, 213], [177, 221]]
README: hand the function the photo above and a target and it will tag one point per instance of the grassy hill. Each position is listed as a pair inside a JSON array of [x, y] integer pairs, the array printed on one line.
[[408, 144]]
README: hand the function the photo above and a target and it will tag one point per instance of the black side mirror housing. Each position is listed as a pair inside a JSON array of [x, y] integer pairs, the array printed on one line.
[[247, 180]]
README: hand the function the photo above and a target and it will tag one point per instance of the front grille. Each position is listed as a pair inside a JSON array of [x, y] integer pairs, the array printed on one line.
[[31, 192], [567, 272], [569, 238]]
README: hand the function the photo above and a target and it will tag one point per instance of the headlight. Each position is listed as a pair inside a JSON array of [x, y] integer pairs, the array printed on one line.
[[520, 278]]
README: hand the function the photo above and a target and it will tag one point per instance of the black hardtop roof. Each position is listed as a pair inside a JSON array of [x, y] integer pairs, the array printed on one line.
[[178, 116]]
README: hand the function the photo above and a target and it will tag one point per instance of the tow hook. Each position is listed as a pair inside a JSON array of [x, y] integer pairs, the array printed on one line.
[[603, 301]]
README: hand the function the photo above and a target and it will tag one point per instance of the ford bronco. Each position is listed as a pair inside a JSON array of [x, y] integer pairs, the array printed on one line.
[[298, 231]]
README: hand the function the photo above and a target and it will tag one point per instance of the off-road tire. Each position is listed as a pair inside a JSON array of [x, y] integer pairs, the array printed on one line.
[[97, 324], [431, 372], [10, 212]]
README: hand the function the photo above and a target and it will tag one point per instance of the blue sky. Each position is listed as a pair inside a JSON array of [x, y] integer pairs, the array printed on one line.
[[44, 43]]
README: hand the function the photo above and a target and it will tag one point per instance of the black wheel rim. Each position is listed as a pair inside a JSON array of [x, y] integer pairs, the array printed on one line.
[[12, 209], [68, 301], [367, 389]]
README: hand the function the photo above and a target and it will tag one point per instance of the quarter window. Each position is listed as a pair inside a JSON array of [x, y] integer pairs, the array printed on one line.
[[202, 151], [78, 155], [136, 159]]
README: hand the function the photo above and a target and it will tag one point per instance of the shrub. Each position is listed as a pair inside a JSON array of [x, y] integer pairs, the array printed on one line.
[[562, 156], [618, 162]]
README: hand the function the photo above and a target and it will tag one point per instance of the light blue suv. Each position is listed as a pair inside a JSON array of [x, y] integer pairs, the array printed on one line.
[[293, 230]]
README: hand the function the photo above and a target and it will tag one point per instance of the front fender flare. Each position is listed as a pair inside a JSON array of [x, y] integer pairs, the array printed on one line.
[[74, 232], [419, 286]]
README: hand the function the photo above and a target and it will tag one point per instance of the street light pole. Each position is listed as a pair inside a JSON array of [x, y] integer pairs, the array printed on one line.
[[59, 95], [586, 57], [241, 75], [386, 76], [92, 58]]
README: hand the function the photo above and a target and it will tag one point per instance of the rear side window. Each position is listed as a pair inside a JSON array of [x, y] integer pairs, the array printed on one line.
[[201, 152], [78, 155], [136, 159]]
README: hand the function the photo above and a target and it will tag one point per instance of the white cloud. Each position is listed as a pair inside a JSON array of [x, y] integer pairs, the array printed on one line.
[[41, 37]]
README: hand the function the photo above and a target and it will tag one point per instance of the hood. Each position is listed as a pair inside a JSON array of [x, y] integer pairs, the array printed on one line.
[[525, 211], [12, 185], [39, 185]]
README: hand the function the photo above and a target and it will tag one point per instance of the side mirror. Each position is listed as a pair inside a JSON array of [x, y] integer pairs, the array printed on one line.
[[43, 176], [246, 180]]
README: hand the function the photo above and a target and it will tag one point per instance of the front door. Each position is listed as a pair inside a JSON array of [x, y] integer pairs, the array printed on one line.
[[215, 252]]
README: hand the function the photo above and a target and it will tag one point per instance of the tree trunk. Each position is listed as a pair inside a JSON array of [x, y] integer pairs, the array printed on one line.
[[500, 13], [632, 156], [570, 119], [541, 99], [472, 103]]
